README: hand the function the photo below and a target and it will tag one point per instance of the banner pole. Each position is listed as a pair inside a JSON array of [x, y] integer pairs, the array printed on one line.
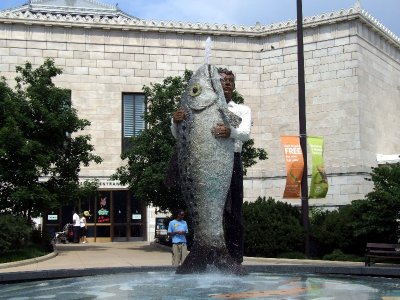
[[303, 127]]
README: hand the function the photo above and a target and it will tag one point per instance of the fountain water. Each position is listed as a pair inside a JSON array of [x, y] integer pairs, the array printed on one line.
[[167, 285]]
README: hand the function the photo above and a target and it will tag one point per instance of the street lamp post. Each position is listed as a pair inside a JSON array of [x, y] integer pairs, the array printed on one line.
[[302, 126]]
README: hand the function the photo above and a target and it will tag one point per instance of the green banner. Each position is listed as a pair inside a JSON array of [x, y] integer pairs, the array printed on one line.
[[319, 181]]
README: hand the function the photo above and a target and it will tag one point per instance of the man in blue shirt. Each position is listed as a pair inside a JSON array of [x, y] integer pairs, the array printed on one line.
[[178, 229]]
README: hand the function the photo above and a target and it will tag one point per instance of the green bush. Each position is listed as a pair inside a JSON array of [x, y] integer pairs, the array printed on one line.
[[25, 252], [372, 219], [14, 232], [42, 240], [375, 219], [338, 255], [331, 230], [271, 227]]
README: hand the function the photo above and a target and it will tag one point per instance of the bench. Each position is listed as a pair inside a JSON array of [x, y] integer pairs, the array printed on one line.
[[382, 251]]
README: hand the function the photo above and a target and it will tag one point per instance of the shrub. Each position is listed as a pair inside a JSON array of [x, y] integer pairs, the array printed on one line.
[[14, 232], [375, 219], [372, 219], [338, 255], [42, 239], [26, 252], [271, 227], [331, 230]]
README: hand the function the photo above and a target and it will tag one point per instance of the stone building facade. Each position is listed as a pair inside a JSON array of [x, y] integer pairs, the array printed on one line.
[[352, 73]]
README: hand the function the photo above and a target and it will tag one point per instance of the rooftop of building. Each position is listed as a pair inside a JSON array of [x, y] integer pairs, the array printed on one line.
[[92, 13]]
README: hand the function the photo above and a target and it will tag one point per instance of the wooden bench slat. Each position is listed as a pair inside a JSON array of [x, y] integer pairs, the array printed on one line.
[[379, 245], [381, 250], [384, 256]]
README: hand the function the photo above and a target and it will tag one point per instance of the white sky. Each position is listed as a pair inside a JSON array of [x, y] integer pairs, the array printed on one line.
[[244, 12]]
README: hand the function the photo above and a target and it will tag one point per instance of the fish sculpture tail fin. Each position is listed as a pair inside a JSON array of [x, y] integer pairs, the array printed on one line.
[[201, 257], [194, 262]]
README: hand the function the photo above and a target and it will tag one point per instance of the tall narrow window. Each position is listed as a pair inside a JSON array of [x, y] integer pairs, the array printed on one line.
[[133, 107]]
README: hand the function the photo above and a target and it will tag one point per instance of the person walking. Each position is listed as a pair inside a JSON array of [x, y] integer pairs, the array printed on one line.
[[76, 225], [178, 229]]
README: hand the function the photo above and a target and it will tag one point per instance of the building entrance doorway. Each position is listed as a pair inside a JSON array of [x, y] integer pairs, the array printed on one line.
[[111, 215]]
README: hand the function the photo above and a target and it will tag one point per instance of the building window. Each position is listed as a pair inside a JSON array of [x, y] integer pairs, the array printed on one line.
[[133, 107]]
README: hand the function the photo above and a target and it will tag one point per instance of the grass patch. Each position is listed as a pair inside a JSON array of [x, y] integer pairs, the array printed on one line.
[[338, 255], [26, 252], [292, 255]]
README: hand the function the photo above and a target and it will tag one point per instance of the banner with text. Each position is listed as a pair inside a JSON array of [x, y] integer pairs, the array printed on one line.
[[294, 166], [319, 181]]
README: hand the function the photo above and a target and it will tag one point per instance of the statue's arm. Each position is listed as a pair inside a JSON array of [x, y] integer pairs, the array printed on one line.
[[242, 132]]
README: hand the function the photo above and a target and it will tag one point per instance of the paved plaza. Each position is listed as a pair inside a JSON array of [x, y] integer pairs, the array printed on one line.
[[72, 260]]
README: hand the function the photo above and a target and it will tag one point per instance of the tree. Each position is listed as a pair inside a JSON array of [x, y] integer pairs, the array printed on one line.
[[372, 219], [376, 215], [149, 159], [37, 123]]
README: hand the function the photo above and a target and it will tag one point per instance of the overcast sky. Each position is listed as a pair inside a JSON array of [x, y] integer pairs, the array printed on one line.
[[244, 12]]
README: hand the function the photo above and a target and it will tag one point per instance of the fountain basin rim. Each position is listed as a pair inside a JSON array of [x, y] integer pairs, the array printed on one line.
[[373, 271]]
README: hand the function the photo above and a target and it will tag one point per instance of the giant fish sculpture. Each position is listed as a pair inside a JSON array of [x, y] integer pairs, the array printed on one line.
[[205, 168]]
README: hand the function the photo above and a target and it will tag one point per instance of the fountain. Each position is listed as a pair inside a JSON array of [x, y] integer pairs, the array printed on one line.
[[167, 285]]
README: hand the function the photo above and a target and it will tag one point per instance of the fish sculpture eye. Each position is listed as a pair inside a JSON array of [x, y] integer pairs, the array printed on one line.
[[195, 90]]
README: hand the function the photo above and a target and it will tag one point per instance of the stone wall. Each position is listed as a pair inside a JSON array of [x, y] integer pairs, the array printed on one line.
[[379, 81], [332, 104], [352, 88]]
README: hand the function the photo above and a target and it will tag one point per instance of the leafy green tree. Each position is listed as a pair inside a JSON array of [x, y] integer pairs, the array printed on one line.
[[36, 126], [149, 159], [375, 216], [372, 219]]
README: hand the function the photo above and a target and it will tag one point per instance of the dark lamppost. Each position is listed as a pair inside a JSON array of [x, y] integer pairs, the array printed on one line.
[[302, 126]]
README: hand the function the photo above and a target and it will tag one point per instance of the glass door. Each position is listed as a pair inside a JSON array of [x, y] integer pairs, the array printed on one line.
[[120, 224], [137, 219], [103, 217]]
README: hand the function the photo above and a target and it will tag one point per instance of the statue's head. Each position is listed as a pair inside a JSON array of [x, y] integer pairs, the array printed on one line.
[[227, 82]]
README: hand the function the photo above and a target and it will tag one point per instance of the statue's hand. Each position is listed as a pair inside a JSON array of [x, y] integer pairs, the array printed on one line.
[[178, 116], [221, 131]]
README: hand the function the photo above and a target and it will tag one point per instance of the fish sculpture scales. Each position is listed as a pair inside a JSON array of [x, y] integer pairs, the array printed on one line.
[[205, 168]]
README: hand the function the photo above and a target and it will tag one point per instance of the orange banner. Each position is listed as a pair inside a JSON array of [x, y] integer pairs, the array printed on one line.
[[294, 166]]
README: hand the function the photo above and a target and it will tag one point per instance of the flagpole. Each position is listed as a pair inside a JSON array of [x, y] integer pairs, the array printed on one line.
[[303, 127]]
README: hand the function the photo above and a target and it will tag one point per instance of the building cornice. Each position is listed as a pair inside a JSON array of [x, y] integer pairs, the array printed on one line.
[[123, 22]]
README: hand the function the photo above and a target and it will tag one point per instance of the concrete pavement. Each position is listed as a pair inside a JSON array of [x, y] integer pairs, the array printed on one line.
[[71, 260], [99, 255]]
